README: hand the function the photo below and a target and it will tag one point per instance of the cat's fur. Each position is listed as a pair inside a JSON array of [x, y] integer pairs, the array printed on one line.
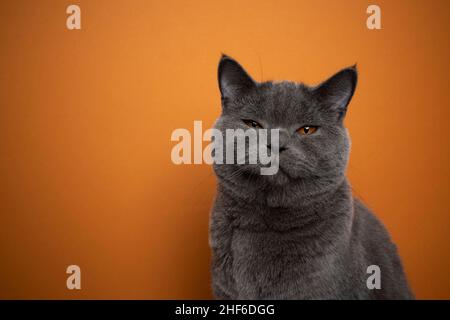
[[299, 234]]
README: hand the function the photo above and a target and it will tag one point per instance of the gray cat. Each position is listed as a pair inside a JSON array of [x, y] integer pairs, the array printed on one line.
[[298, 234]]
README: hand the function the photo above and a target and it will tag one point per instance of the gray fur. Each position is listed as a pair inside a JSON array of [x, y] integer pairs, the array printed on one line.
[[299, 234]]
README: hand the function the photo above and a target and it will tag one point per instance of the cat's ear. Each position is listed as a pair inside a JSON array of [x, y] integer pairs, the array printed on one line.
[[233, 79], [336, 92]]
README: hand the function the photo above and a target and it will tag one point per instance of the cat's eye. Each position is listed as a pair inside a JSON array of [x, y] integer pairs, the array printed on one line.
[[252, 123], [307, 130]]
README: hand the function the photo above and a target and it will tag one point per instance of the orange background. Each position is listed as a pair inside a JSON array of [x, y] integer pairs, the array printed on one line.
[[86, 118]]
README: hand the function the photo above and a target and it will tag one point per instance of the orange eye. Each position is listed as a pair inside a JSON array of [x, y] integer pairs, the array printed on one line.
[[253, 124], [306, 130]]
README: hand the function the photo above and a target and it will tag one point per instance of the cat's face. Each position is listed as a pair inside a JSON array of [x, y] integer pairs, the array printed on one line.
[[313, 142]]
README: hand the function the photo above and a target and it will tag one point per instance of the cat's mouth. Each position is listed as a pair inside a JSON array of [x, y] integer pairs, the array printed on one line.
[[291, 173], [282, 176]]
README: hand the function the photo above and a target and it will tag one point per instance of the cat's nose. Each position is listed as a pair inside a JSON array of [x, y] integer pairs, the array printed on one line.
[[281, 143]]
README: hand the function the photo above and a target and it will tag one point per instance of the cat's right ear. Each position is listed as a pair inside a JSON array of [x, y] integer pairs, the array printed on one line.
[[234, 81], [336, 92]]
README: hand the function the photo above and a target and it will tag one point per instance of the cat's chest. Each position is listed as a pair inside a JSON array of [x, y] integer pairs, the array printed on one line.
[[278, 264]]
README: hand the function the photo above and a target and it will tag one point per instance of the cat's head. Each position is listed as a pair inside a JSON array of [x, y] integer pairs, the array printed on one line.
[[313, 142]]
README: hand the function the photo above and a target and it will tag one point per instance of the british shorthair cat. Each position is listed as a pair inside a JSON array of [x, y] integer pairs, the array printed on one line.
[[300, 233]]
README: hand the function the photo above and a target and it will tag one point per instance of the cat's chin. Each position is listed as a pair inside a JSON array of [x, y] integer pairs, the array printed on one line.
[[280, 178]]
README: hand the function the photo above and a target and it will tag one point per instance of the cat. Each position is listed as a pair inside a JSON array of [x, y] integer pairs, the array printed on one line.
[[297, 234]]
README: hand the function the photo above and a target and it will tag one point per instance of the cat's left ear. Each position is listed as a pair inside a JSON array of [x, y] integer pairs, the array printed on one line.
[[234, 81], [336, 92]]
